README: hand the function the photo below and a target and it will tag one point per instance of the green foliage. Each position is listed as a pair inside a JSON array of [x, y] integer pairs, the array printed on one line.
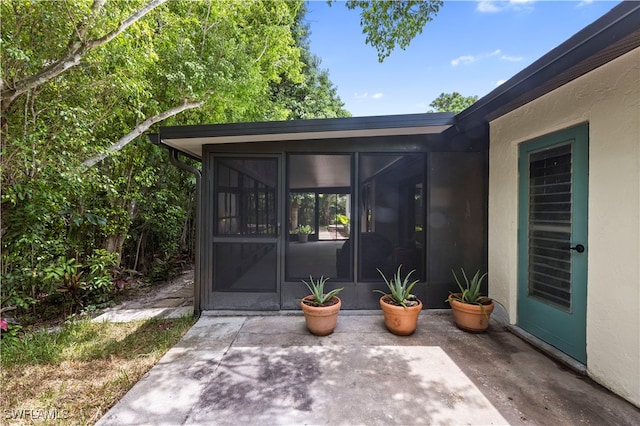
[[310, 94], [333, 209], [35, 347], [67, 278], [8, 331], [304, 230], [164, 268], [302, 199], [317, 291], [470, 291], [11, 335], [19, 288], [100, 283], [134, 210], [454, 102], [390, 23], [399, 287], [343, 219]]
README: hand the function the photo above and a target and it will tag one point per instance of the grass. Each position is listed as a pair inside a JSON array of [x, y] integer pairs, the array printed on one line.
[[77, 373]]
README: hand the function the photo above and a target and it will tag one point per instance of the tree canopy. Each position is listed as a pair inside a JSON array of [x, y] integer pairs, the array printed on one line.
[[86, 200], [452, 102], [82, 191], [388, 24]]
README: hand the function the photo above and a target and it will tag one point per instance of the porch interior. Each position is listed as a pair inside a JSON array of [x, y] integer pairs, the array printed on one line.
[[368, 212]]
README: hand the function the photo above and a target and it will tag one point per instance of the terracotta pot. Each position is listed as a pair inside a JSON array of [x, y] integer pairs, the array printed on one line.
[[468, 317], [321, 320], [398, 319]]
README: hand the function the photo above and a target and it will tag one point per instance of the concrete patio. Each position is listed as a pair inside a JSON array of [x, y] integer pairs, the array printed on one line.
[[266, 369]]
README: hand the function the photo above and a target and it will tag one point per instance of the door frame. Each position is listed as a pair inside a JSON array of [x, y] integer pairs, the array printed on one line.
[[216, 300], [566, 330]]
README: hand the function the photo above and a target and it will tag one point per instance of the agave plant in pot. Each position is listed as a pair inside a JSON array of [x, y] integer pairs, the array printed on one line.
[[400, 307], [320, 309], [471, 310]]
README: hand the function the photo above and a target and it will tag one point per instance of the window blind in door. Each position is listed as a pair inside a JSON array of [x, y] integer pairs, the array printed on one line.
[[550, 208]]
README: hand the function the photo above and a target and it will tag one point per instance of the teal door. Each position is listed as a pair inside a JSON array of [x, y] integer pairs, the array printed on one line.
[[552, 246]]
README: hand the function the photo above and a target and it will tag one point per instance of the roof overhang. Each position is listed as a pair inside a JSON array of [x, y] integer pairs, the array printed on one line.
[[191, 139], [611, 36]]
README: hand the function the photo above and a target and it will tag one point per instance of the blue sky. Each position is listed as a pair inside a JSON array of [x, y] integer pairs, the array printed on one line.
[[470, 47]]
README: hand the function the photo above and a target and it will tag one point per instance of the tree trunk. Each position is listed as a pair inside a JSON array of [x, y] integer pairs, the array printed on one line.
[[114, 244]]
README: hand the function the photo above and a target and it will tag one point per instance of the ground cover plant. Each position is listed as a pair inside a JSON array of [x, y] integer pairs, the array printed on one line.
[[75, 374]]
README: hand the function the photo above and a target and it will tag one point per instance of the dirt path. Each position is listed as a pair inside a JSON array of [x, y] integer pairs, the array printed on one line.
[[168, 294]]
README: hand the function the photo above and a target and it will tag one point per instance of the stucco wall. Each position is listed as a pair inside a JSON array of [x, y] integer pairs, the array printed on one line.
[[608, 99]]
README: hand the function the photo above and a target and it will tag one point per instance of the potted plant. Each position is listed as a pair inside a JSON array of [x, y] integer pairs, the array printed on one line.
[[320, 309], [471, 310], [400, 308], [303, 233]]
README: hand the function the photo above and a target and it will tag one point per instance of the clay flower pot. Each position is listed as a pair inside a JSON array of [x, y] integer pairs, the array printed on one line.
[[470, 317], [321, 320], [398, 319]]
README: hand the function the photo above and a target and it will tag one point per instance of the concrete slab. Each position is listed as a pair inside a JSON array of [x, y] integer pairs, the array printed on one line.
[[126, 315], [168, 393], [267, 369], [341, 385]]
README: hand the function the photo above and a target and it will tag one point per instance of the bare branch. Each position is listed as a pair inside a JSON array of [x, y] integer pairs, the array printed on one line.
[[125, 24], [140, 129], [76, 52]]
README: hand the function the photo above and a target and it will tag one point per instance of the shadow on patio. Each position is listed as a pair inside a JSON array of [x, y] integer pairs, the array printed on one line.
[[267, 369]]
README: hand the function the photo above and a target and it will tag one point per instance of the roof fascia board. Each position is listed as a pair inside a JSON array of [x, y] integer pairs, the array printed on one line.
[[302, 129], [192, 146], [275, 137]]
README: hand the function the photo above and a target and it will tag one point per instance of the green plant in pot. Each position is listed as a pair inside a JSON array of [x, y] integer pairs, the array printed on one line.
[[320, 309], [471, 310], [400, 307], [303, 232]]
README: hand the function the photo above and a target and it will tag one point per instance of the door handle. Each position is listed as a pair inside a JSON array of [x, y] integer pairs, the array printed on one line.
[[579, 248]]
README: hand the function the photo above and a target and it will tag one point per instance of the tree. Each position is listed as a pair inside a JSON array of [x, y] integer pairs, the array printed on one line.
[[390, 23], [203, 50], [140, 129], [312, 97], [81, 41], [452, 102], [217, 59]]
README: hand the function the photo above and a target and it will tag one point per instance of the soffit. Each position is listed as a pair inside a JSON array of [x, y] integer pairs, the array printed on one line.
[[190, 139]]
